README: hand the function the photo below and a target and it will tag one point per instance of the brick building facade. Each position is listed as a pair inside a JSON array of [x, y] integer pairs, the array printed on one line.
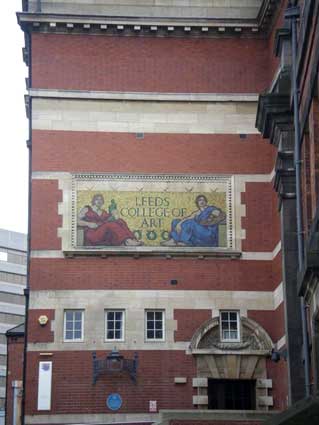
[[157, 285]]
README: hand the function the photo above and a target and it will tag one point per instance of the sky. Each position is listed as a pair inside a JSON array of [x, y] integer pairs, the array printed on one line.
[[14, 124]]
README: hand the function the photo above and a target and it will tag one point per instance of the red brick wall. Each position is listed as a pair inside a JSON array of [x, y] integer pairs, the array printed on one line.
[[15, 348], [261, 222], [36, 332], [272, 321], [73, 391], [279, 375], [44, 215], [156, 273], [156, 153], [61, 151], [84, 62], [188, 321]]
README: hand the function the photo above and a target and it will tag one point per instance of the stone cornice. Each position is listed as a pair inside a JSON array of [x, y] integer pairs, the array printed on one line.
[[135, 26], [151, 26]]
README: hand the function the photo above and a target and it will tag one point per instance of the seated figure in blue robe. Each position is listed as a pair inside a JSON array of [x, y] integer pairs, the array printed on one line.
[[198, 229]]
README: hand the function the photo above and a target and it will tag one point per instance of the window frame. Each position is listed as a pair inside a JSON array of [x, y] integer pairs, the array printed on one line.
[[111, 310], [75, 310], [149, 310], [238, 339], [4, 256]]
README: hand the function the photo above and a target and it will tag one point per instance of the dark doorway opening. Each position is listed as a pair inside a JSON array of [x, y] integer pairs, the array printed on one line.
[[231, 394]]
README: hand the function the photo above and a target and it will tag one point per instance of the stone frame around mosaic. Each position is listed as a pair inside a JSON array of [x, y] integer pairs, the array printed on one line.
[[69, 229]]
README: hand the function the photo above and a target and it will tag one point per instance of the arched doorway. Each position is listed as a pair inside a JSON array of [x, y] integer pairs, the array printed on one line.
[[232, 369]]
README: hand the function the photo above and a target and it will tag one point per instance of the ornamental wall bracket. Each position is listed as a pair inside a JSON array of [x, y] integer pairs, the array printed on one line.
[[272, 107], [115, 363]]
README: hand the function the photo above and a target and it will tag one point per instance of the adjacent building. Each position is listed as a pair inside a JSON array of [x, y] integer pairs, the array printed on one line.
[[14, 383], [162, 280], [288, 115], [13, 270]]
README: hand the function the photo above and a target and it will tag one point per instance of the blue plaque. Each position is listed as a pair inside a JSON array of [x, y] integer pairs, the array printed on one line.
[[114, 401]]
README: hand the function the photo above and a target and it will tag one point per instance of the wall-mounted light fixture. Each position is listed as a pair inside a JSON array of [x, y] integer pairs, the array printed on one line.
[[278, 355]]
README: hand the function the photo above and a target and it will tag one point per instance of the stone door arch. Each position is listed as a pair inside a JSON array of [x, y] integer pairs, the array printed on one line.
[[232, 360]]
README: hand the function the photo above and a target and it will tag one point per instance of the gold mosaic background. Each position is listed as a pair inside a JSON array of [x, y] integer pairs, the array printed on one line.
[[149, 214]]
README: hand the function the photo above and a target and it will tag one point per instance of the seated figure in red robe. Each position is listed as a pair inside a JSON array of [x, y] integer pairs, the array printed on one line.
[[102, 228]]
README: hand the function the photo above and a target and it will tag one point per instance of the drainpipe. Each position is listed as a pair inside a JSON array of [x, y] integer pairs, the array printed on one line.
[[16, 385], [292, 13], [14, 410], [27, 289]]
